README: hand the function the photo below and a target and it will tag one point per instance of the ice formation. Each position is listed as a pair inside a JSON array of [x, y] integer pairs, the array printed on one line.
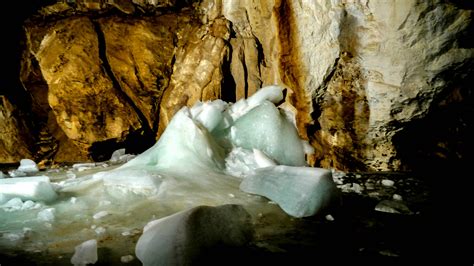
[[300, 191], [36, 188], [119, 156], [28, 166], [205, 154], [180, 238]]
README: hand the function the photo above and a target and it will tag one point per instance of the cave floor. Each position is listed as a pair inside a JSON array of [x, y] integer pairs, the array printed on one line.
[[360, 233], [355, 232]]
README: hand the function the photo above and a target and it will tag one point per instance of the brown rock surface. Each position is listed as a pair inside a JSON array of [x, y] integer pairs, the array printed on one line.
[[197, 73], [366, 78], [15, 138], [362, 111], [87, 106], [141, 61]]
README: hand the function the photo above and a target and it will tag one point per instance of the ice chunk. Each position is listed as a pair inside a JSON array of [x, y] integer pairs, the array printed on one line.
[[126, 157], [16, 173], [178, 239], [209, 114], [240, 162], [116, 155], [47, 215], [2, 175], [27, 205], [87, 166], [28, 166], [100, 214], [272, 94], [119, 156], [262, 159], [299, 191], [17, 204], [85, 253], [36, 188], [265, 129], [13, 204]]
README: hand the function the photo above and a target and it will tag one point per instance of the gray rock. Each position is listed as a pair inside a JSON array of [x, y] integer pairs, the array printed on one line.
[[390, 206]]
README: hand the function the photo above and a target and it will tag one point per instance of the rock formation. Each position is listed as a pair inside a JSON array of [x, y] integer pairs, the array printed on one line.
[[376, 85], [15, 137]]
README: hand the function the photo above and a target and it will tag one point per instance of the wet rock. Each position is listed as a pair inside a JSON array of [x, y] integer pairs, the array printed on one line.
[[391, 206], [397, 197], [387, 183]]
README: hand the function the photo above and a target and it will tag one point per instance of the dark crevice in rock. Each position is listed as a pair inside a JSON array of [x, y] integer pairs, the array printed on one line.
[[260, 54], [246, 76], [146, 134], [228, 91]]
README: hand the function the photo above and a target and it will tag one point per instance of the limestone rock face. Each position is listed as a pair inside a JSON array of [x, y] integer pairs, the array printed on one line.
[[141, 62], [404, 59], [197, 73], [375, 85], [86, 105], [15, 139], [361, 74]]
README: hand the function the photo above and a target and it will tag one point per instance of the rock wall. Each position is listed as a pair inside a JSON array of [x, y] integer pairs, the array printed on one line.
[[16, 142], [364, 73], [376, 85]]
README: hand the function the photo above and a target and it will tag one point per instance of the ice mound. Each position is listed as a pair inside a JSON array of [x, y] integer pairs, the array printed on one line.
[[234, 139], [35, 188], [300, 191], [204, 135], [180, 238], [184, 140], [206, 154]]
